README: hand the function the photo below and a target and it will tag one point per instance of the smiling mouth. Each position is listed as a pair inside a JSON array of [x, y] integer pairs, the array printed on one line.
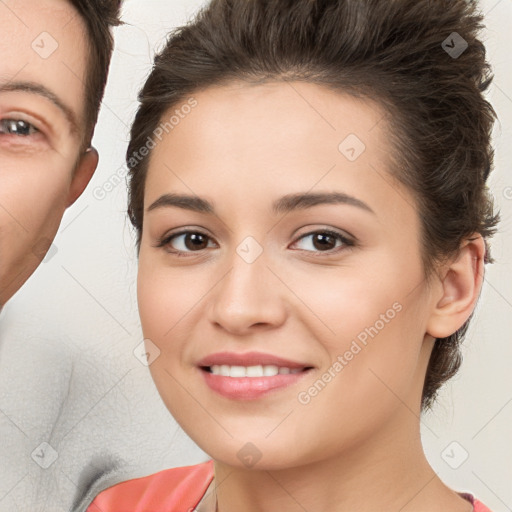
[[255, 371], [254, 381]]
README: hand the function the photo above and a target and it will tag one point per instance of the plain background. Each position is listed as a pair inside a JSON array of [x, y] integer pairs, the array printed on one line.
[[68, 375]]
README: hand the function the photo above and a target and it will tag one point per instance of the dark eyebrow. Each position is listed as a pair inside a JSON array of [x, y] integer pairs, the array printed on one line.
[[285, 204], [40, 90], [301, 201]]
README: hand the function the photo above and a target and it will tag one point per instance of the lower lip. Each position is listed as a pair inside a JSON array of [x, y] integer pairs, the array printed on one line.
[[249, 388]]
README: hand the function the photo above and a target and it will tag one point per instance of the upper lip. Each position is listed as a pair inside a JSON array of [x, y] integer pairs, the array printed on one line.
[[249, 359]]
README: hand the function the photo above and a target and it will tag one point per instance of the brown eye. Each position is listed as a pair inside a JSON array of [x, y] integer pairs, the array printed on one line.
[[324, 241], [186, 241], [195, 241]]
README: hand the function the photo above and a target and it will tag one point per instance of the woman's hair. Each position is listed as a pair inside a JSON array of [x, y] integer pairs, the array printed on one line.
[[420, 59], [99, 17]]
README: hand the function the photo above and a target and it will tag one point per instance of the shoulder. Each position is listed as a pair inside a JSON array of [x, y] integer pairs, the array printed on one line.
[[171, 490]]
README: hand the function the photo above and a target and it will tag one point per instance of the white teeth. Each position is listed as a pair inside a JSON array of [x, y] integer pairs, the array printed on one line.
[[251, 371], [270, 370], [237, 371], [254, 371]]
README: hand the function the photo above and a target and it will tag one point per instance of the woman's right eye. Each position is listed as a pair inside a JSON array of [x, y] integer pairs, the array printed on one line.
[[17, 127], [188, 242]]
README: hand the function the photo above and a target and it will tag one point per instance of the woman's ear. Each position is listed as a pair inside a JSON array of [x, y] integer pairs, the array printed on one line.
[[460, 289], [83, 174]]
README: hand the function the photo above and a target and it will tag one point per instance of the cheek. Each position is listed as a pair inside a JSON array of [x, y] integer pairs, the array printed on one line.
[[33, 202], [372, 317], [165, 297], [342, 303], [379, 356], [35, 192]]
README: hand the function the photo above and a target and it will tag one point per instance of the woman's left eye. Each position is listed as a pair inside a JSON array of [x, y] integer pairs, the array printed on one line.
[[325, 241], [17, 127]]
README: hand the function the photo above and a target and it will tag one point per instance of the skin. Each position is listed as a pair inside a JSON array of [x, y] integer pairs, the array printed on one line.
[[356, 445], [43, 169]]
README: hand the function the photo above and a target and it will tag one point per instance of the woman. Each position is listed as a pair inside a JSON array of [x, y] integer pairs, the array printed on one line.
[[308, 188]]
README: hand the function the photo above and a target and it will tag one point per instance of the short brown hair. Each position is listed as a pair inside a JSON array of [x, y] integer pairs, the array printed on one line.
[[99, 16], [400, 52]]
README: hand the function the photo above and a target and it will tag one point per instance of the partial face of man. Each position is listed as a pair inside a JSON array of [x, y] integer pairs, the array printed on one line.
[[43, 68]]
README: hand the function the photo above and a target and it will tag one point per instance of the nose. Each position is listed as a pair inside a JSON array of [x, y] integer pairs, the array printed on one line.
[[248, 298]]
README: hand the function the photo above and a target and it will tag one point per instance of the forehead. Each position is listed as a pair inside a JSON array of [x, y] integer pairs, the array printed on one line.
[[274, 137], [277, 119], [45, 42]]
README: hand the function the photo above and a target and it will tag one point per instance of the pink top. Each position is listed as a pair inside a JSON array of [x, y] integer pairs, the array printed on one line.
[[176, 490]]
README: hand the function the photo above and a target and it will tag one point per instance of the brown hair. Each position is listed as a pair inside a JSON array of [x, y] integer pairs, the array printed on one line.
[[99, 16], [404, 53]]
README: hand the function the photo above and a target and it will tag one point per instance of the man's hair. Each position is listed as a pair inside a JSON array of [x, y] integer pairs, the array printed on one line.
[[422, 60], [99, 17]]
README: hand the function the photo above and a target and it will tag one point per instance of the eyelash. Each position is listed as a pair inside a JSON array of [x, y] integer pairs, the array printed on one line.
[[347, 243]]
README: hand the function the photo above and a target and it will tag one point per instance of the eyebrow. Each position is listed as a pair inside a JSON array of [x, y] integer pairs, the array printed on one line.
[[285, 204], [41, 90]]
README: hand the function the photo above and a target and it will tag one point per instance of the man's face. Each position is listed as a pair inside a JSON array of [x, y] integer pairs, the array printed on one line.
[[43, 68]]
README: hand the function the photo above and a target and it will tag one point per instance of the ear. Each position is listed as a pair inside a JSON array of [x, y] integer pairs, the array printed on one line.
[[460, 289], [83, 174]]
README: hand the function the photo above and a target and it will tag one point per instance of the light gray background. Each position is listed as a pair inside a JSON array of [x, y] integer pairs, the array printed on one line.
[[68, 376]]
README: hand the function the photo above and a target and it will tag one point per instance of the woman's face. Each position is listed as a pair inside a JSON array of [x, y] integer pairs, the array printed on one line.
[[327, 291]]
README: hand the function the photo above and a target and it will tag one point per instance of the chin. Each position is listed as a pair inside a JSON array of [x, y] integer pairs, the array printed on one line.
[[256, 454]]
